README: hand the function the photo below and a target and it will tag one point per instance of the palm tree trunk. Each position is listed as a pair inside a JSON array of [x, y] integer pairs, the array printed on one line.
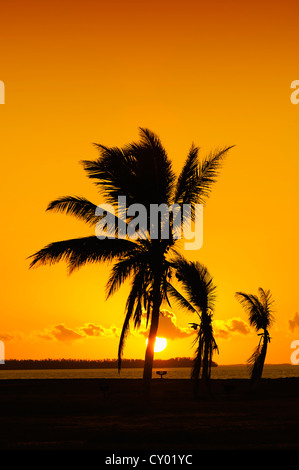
[[263, 355], [259, 365], [205, 363], [149, 354], [207, 353], [197, 368], [205, 367]]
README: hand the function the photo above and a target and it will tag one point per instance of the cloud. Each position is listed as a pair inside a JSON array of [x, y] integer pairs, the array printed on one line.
[[168, 327], [225, 328], [6, 337], [294, 324], [62, 333], [97, 330]]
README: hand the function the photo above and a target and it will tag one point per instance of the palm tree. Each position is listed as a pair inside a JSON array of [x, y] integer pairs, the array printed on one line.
[[260, 311], [142, 172], [199, 297]]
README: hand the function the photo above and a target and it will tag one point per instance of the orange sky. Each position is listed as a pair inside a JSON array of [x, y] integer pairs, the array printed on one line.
[[214, 73]]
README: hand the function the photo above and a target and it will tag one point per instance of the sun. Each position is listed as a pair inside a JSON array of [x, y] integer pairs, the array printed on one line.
[[160, 344]]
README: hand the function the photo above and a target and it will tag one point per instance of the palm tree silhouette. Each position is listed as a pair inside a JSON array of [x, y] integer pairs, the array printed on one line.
[[199, 297], [143, 173], [260, 311]]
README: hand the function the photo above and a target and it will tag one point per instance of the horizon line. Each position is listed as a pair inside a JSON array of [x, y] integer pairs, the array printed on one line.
[[139, 359]]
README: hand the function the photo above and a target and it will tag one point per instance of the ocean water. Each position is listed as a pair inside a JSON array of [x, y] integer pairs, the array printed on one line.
[[271, 371]]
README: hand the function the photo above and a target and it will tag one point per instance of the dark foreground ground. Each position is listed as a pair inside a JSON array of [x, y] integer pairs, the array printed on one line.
[[113, 416]]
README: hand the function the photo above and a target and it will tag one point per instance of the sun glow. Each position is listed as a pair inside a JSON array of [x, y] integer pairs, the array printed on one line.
[[160, 344]]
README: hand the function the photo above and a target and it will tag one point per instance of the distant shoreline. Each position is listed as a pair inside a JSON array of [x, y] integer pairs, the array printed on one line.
[[39, 364], [15, 364]]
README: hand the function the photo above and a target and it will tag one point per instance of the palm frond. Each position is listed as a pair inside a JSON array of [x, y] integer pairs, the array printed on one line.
[[164, 177], [259, 311], [79, 251], [180, 299], [154, 177], [197, 283], [79, 207], [253, 361], [206, 345], [208, 172], [113, 173], [196, 179], [187, 178], [136, 288], [267, 302], [140, 171], [85, 210], [123, 269], [252, 306]]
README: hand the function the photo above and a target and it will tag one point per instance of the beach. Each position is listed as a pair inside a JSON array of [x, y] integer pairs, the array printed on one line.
[[114, 415]]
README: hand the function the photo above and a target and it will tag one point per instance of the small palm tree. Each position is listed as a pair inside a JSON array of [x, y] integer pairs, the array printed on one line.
[[142, 172], [260, 311], [199, 297]]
